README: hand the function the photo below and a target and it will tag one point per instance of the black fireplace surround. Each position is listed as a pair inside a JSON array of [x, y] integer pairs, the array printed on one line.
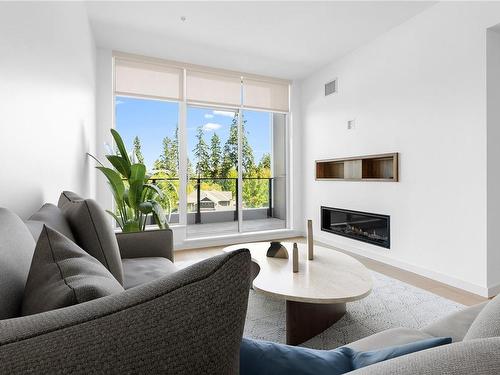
[[362, 226]]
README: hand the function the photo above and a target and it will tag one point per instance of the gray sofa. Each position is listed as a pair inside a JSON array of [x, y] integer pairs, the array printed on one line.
[[188, 322]]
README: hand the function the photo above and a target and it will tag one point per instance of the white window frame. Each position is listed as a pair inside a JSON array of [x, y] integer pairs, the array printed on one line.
[[183, 152]]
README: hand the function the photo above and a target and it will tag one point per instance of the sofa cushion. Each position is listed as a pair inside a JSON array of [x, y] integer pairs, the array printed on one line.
[[51, 216], [93, 232], [137, 271], [474, 357], [68, 196], [16, 250], [390, 337], [456, 324], [487, 322], [62, 274]]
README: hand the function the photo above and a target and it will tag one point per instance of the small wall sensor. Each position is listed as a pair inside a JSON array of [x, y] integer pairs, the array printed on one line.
[[351, 124]]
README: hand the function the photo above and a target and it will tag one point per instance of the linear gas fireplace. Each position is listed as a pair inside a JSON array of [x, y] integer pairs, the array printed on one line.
[[361, 226]]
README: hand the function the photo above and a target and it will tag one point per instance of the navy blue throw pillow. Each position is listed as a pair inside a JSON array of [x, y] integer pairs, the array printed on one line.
[[362, 359], [268, 358]]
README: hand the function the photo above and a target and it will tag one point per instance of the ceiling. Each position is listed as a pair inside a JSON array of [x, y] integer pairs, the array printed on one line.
[[283, 39]]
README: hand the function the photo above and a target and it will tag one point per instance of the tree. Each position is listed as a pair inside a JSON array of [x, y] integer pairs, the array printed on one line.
[[265, 161], [169, 158], [215, 156], [255, 189], [230, 159], [202, 154], [137, 150]]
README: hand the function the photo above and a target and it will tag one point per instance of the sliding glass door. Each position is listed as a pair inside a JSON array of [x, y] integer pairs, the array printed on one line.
[[212, 169], [264, 170], [220, 200]]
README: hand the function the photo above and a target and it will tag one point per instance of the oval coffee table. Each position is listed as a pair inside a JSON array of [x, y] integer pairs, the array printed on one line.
[[316, 296]]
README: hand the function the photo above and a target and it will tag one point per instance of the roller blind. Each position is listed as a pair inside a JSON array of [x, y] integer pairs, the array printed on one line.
[[148, 80], [213, 88], [267, 95]]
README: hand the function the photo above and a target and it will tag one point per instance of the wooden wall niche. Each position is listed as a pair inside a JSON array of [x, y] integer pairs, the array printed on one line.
[[383, 167]]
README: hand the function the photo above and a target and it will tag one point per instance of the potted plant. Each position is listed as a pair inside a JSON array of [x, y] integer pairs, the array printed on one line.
[[136, 200]]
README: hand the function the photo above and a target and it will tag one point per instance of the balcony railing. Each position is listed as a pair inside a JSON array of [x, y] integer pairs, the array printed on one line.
[[227, 183]]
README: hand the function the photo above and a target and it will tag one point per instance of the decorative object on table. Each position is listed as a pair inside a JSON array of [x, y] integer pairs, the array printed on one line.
[[310, 241], [277, 250], [135, 198], [295, 258]]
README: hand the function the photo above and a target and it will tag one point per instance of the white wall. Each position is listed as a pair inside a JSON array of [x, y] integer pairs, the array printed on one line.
[[493, 147], [105, 112], [420, 90], [47, 101]]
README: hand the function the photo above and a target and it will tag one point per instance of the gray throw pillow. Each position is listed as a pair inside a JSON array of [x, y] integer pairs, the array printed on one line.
[[487, 322], [62, 274], [51, 216], [93, 231]]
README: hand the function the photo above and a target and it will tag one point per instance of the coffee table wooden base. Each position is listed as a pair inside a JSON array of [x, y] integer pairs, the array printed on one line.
[[306, 320]]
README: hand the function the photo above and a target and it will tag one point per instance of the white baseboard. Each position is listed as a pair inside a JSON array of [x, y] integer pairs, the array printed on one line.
[[443, 278], [237, 238]]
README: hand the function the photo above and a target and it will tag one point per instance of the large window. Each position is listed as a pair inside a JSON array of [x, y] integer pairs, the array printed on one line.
[[214, 141], [150, 129]]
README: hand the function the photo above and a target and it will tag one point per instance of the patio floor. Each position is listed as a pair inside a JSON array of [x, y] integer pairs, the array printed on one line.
[[231, 227]]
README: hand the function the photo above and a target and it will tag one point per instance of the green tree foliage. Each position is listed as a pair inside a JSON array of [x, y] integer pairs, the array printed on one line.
[[265, 162], [137, 150], [230, 159], [202, 154], [215, 156], [168, 162]]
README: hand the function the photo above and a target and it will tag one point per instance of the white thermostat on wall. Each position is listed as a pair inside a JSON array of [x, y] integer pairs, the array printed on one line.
[[351, 124]]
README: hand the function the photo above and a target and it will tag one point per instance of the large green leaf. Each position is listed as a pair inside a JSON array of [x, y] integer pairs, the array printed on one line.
[[121, 146], [155, 189], [115, 182], [120, 164], [146, 207], [159, 214], [137, 173], [118, 220], [136, 180]]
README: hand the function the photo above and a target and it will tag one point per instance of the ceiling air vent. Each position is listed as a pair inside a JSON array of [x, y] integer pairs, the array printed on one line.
[[331, 87]]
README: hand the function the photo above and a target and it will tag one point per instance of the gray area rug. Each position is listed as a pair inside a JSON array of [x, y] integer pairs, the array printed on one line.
[[392, 303]]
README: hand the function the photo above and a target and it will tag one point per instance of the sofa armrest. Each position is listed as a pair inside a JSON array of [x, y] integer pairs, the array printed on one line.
[[150, 243], [456, 324], [478, 357], [189, 322]]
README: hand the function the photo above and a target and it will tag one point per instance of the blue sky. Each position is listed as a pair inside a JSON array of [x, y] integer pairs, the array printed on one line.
[[152, 120]]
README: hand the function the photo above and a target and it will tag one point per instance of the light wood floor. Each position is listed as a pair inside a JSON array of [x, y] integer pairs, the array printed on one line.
[[186, 257]]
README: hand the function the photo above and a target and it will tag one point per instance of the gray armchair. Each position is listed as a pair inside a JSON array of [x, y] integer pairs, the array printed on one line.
[[189, 322]]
